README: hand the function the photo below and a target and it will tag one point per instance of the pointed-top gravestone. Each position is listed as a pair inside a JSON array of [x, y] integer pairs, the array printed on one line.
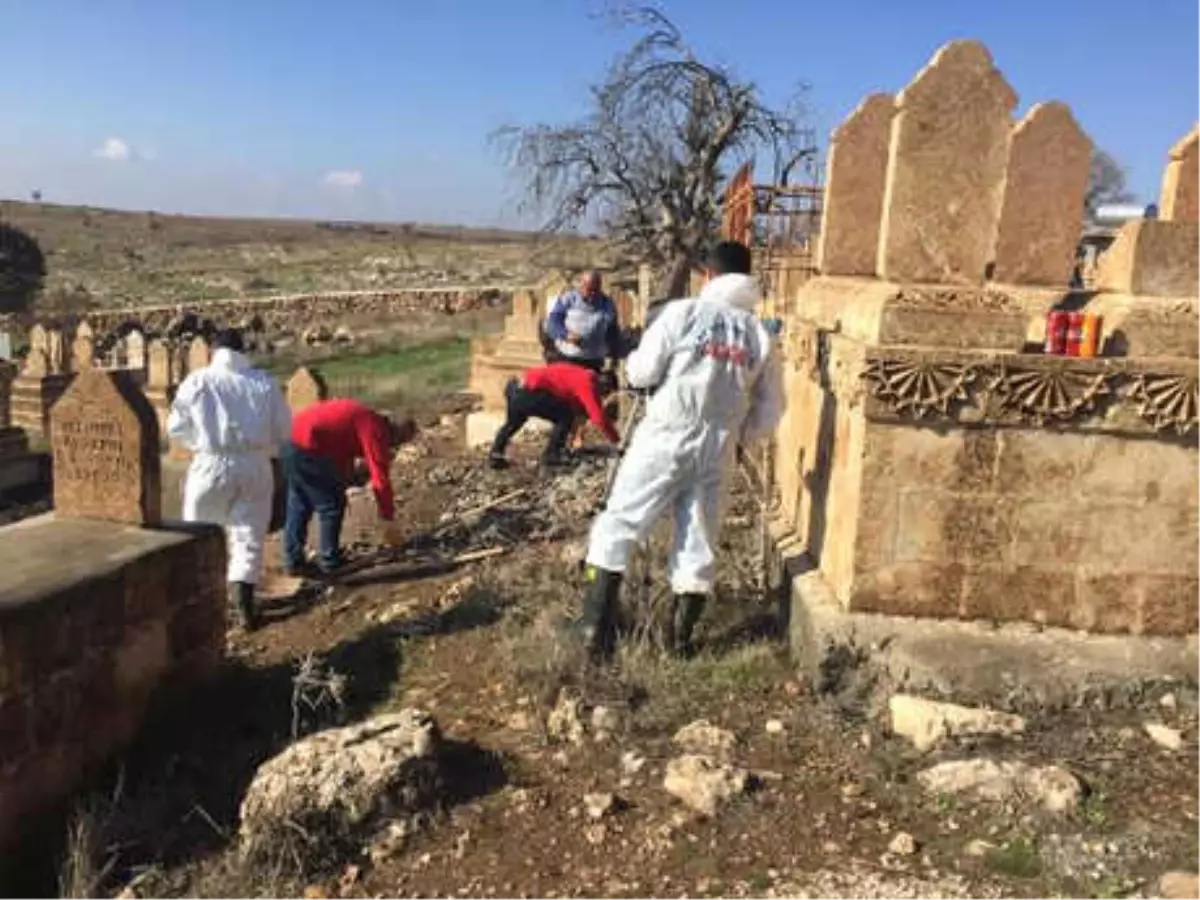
[[304, 388], [855, 174], [104, 442], [1180, 198], [1040, 222], [83, 348], [198, 354], [135, 350], [946, 162]]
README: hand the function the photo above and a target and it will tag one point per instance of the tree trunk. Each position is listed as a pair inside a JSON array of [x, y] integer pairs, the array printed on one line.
[[675, 279]]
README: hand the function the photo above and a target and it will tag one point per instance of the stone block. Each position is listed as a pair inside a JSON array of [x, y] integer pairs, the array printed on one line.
[[1153, 257], [482, 426], [143, 657], [104, 441], [856, 171], [1040, 223], [1042, 464], [1180, 197], [949, 148], [1142, 539], [941, 527], [909, 589], [1011, 593], [1168, 605]]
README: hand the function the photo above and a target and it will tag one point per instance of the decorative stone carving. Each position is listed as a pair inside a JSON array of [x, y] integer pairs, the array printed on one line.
[[919, 386], [1167, 401], [1049, 394]]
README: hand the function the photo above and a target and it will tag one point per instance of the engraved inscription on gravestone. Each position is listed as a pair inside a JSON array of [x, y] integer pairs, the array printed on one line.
[[104, 441]]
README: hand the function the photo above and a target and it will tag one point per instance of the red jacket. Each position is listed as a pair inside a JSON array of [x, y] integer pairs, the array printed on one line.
[[575, 385], [345, 430]]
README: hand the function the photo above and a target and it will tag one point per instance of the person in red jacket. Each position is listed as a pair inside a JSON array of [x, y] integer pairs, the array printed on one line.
[[318, 465], [559, 393]]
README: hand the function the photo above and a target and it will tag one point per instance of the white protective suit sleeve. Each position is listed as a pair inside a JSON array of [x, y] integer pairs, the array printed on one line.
[[180, 426], [767, 399], [647, 366]]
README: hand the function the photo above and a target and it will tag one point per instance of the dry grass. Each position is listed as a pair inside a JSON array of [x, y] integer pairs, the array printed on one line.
[[115, 258]]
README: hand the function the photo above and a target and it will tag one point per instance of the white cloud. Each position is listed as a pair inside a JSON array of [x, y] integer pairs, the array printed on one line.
[[115, 149], [344, 178]]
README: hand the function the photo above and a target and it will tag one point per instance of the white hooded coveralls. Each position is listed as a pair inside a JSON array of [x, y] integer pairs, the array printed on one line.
[[233, 418], [719, 384]]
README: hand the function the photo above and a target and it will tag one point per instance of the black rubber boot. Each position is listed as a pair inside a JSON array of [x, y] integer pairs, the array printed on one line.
[[242, 595], [686, 611], [599, 621]]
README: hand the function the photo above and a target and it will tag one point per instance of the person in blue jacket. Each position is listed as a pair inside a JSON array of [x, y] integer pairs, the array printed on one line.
[[582, 325]]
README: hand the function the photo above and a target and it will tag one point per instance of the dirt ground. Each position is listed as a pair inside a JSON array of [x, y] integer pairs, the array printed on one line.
[[480, 646]]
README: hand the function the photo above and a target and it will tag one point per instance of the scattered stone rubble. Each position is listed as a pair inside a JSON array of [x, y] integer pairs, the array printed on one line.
[[326, 794]]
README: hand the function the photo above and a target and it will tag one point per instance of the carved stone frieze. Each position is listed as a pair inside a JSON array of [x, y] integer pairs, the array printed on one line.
[[1166, 401], [919, 387], [1119, 394], [1049, 395]]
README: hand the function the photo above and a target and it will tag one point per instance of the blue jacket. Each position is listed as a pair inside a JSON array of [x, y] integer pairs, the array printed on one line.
[[593, 320]]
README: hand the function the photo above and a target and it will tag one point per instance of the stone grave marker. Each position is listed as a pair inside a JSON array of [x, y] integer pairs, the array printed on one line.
[[56, 351], [6, 351], [305, 387], [104, 446], [856, 172], [198, 354], [946, 164], [83, 348], [158, 368], [1040, 224], [135, 350], [1180, 198]]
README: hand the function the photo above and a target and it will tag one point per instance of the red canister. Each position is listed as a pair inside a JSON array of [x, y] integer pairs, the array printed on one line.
[[1056, 333], [1075, 322]]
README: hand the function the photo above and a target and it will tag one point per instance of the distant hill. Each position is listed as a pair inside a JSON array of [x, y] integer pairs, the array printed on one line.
[[105, 257]]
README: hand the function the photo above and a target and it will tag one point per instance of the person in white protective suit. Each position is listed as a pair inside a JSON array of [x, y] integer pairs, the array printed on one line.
[[234, 419], [716, 384]]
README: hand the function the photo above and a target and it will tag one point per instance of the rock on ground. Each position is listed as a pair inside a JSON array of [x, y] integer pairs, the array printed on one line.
[[702, 783], [329, 790], [927, 722], [703, 737], [565, 722], [856, 881], [1054, 788], [1179, 885], [1165, 736], [903, 844]]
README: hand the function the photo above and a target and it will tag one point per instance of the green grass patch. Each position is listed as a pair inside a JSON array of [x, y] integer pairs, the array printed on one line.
[[396, 378], [1018, 858]]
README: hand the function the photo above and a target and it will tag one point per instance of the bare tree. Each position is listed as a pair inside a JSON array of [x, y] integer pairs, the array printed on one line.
[[647, 162], [1106, 184]]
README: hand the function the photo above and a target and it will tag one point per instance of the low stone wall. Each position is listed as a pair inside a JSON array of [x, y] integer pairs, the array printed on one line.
[[293, 311], [86, 636]]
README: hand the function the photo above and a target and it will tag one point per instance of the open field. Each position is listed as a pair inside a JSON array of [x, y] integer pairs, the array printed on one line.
[[111, 258]]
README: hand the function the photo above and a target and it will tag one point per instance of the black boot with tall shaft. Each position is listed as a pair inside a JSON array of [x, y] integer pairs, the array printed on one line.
[[242, 595], [599, 620], [687, 609]]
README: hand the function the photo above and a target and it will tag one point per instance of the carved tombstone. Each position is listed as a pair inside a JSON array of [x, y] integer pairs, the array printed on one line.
[[104, 444], [37, 364], [56, 351], [135, 350], [856, 172], [946, 163], [83, 348], [1040, 223], [198, 354], [158, 364], [304, 388], [1180, 198]]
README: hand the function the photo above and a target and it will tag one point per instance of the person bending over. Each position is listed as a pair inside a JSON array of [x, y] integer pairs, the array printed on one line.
[[559, 393], [318, 465]]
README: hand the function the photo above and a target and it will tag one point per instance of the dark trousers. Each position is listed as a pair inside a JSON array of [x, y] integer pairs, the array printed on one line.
[[524, 405], [313, 486]]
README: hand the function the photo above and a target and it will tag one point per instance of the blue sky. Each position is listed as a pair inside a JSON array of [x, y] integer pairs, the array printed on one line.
[[380, 109]]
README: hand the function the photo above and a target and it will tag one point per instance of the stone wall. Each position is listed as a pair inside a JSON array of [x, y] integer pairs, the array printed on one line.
[[933, 461], [292, 312]]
